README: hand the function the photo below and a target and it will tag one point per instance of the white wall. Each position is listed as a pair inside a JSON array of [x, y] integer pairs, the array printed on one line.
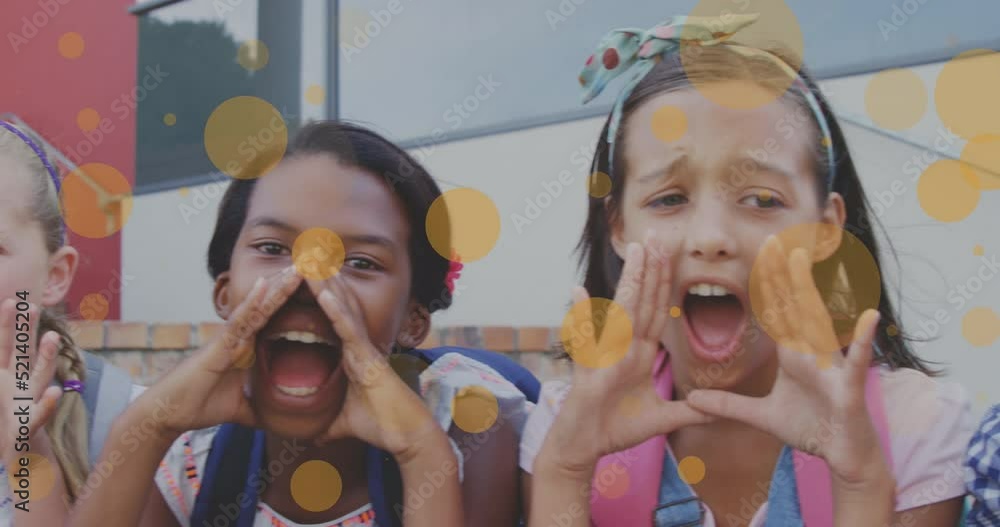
[[526, 279]]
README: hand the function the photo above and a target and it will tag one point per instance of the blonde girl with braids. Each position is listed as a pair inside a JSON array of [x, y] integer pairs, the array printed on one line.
[[36, 270]]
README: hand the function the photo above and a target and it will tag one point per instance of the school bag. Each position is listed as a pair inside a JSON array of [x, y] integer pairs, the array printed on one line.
[[106, 392], [237, 454]]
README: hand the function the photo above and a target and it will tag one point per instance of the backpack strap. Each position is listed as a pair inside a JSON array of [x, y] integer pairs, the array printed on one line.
[[107, 391], [236, 456]]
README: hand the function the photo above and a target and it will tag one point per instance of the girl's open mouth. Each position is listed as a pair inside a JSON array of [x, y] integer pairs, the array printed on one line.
[[298, 367], [715, 318]]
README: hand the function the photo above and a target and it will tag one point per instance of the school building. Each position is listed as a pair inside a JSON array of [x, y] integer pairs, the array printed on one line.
[[486, 96]]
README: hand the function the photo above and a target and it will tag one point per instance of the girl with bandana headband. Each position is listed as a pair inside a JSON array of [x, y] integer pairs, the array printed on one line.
[[746, 383]]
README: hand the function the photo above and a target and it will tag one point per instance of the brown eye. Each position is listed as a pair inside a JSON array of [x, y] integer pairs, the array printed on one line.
[[270, 248]]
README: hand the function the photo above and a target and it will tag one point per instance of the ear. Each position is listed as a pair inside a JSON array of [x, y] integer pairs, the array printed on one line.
[[616, 230], [416, 326], [62, 269], [834, 216], [220, 296]]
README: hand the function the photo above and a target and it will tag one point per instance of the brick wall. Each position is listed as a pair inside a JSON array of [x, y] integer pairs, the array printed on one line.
[[147, 351]]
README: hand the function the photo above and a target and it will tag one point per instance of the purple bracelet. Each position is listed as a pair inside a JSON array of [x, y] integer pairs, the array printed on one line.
[[73, 386]]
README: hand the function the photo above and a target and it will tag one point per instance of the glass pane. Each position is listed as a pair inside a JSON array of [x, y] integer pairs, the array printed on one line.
[[197, 54], [436, 69]]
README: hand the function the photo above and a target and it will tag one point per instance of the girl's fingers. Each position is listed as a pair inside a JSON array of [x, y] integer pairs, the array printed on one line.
[[45, 407], [664, 288], [728, 405], [674, 415], [45, 361], [6, 332], [815, 321], [859, 355], [264, 299], [646, 307], [773, 318], [583, 341]]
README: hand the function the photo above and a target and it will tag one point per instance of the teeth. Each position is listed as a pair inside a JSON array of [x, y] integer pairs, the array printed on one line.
[[297, 391], [305, 337], [708, 290]]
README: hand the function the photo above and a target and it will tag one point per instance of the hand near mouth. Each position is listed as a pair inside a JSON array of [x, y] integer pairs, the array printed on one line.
[[817, 404], [615, 406], [207, 388], [380, 409]]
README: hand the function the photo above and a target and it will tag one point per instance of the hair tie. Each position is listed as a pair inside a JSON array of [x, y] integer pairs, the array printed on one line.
[[72, 386], [637, 50]]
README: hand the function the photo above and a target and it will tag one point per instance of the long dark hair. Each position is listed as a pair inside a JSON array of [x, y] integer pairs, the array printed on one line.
[[358, 147], [602, 266]]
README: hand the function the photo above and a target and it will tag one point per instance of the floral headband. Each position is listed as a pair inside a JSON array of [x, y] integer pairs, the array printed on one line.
[[637, 50]]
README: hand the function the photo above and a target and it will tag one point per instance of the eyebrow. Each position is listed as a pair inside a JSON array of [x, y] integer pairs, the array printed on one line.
[[356, 239], [675, 164], [664, 172]]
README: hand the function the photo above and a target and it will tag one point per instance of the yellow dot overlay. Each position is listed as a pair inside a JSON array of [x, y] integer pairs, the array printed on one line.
[[966, 93], [777, 25], [475, 409], [825, 142], [352, 27], [981, 161], [42, 477], [316, 485], [169, 119], [981, 326], [88, 119], [245, 355], [100, 212], [630, 406], [592, 318], [675, 312], [896, 99], [892, 331], [946, 192], [318, 253], [669, 123], [245, 137], [315, 94], [94, 306], [612, 481], [183, 191], [465, 222], [854, 288], [691, 469], [71, 45], [253, 55], [599, 184], [978, 250]]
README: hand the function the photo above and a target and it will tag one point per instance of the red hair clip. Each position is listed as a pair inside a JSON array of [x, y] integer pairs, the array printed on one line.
[[454, 268]]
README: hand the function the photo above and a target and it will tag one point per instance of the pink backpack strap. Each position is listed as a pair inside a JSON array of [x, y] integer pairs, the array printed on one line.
[[812, 476], [641, 467]]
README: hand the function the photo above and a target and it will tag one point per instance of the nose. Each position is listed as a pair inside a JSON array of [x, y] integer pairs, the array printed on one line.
[[709, 236]]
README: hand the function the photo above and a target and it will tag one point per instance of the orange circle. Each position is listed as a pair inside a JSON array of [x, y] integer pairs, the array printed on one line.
[[315, 94], [593, 319], [981, 161], [691, 469], [463, 221], [776, 25], [71, 45], [844, 273], [245, 137], [669, 123], [947, 192], [896, 98], [88, 119], [675, 312], [253, 55], [475, 409], [94, 307], [966, 93], [183, 191], [892, 331], [981, 326], [318, 253], [599, 184], [316, 485], [96, 200], [169, 119], [978, 250], [41, 476], [612, 481]]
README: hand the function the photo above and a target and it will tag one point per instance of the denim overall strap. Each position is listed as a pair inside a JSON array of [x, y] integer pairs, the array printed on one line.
[[677, 506], [783, 496]]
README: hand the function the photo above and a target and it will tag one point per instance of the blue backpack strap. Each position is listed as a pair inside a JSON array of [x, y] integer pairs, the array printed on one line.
[[236, 455], [106, 392]]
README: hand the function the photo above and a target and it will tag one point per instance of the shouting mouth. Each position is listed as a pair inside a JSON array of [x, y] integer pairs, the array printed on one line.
[[715, 319], [298, 366]]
